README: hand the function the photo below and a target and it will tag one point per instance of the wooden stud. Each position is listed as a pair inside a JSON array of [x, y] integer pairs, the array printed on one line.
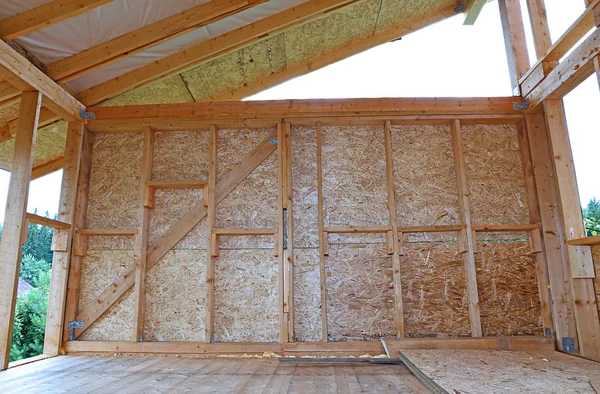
[[289, 256], [141, 240], [61, 240], [539, 26], [391, 189], [586, 311], [281, 196], [514, 41], [212, 243], [323, 238], [467, 234], [14, 218]]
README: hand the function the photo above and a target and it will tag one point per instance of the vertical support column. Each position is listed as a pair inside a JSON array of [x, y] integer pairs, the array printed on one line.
[[580, 260], [552, 230], [534, 218], [466, 236], [514, 41], [14, 218], [281, 257], [79, 242], [323, 239], [397, 277], [539, 26], [141, 240], [210, 242], [62, 252], [289, 245]]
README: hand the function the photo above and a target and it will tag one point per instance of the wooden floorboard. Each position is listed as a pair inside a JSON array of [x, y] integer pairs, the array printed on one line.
[[160, 374]]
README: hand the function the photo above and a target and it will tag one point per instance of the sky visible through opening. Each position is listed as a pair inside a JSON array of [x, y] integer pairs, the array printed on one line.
[[443, 60]]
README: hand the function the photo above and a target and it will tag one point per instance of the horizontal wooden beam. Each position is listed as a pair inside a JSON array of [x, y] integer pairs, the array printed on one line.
[[45, 15], [106, 232], [485, 343], [47, 168], [23, 75], [148, 36], [431, 229], [199, 184], [585, 241], [36, 219], [505, 227], [356, 229], [244, 231]]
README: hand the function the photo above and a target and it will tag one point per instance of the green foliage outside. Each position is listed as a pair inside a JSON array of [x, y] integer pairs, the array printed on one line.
[[591, 217], [30, 311]]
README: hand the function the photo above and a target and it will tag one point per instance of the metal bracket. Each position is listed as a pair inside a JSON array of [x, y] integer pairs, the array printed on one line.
[[141, 336], [87, 115], [568, 344], [460, 8], [548, 332], [73, 324], [520, 106], [272, 141]]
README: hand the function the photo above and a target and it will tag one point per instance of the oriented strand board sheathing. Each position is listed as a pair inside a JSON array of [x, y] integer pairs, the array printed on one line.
[[396, 12], [307, 296], [424, 176], [508, 293], [246, 296], [434, 290], [176, 297], [114, 196], [98, 270], [9, 112], [495, 175], [511, 372], [304, 184], [180, 155], [596, 258], [360, 295], [253, 204], [354, 180], [169, 90]]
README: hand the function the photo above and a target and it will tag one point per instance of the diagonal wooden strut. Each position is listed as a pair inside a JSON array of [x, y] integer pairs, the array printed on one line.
[[94, 310]]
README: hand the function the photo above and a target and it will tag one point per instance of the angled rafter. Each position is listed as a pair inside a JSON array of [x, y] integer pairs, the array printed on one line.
[[163, 245], [138, 40], [472, 11], [210, 49], [45, 15]]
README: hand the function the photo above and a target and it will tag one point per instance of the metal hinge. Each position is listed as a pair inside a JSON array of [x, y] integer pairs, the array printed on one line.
[[521, 105], [87, 115], [568, 344], [272, 141], [73, 324]]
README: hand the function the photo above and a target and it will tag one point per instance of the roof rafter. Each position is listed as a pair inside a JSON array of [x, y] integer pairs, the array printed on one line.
[[472, 11], [210, 49], [45, 15], [148, 36]]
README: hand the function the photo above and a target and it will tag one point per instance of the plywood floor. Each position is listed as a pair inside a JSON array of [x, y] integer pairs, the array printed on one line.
[[496, 371], [95, 374]]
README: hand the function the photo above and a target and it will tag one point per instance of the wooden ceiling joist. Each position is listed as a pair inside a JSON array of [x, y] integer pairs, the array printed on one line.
[[472, 10], [45, 15], [210, 49], [24, 76], [138, 40]]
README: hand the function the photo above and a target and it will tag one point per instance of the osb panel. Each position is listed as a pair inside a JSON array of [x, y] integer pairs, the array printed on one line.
[[170, 205], [508, 294], [114, 196], [165, 91], [253, 204], [246, 296], [50, 145], [307, 295], [360, 295], [354, 176], [235, 69], [434, 290], [596, 258], [495, 174], [395, 12], [9, 112], [98, 270], [424, 176], [304, 184], [176, 297], [180, 155], [325, 34]]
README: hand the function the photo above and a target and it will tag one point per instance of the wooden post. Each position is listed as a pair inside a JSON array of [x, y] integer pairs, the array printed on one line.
[[141, 240], [397, 277], [514, 41], [61, 257], [290, 232], [539, 26], [534, 218], [212, 241], [14, 217], [79, 241], [279, 245], [580, 261], [552, 230], [466, 236], [323, 239]]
